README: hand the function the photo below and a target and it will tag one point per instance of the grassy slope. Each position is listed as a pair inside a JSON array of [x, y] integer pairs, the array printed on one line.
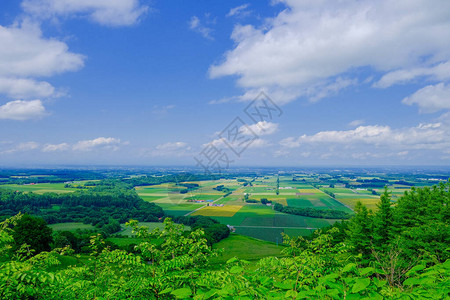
[[244, 247]]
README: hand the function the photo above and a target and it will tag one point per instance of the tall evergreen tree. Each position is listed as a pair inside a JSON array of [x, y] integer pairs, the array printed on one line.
[[360, 229], [382, 221]]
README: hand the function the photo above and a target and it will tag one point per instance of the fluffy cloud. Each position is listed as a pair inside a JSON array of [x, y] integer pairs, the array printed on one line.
[[432, 136], [24, 53], [101, 142], [25, 88], [260, 128], [438, 72], [173, 146], [22, 110], [311, 44], [356, 123], [423, 144], [55, 147], [431, 98], [105, 12]]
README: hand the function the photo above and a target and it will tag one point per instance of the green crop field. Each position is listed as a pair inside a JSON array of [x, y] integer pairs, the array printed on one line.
[[267, 234], [40, 188], [150, 198], [246, 248], [351, 199]]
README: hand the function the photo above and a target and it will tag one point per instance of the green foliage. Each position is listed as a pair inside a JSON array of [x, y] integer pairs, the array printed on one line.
[[382, 221], [33, 232], [312, 212], [360, 229], [265, 201], [104, 206], [214, 231]]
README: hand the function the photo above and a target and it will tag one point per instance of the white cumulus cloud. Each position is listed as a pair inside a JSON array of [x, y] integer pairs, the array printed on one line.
[[55, 147], [104, 12], [22, 110], [260, 128], [356, 123], [431, 98], [25, 88], [25, 55], [24, 52], [309, 45], [438, 72], [423, 136], [101, 142]]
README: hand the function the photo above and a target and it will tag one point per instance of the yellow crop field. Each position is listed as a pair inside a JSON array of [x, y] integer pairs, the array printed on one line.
[[370, 203], [278, 200], [309, 191], [218, 211]]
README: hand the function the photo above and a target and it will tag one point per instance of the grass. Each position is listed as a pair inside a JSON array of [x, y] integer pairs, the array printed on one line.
[[150, 198], [40, 188], [256, 210], [266, 234], [246, 248], [71, 226], [181, 209]]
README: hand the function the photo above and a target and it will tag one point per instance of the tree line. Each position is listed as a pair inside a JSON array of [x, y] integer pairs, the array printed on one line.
[[312, 212]]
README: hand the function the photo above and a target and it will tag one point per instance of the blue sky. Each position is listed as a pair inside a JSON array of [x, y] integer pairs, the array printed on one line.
[[129, 82]]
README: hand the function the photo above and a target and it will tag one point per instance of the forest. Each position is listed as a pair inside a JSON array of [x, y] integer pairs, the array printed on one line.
[[105, 205], [399, 251]]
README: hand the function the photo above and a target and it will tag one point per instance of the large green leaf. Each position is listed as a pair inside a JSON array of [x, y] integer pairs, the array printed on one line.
[[360, 285], [182, 293]]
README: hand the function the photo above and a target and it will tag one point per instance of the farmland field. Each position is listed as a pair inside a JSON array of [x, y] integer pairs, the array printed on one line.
[[228, 204], [40, 188], [246, 248], [251, 219], [218, 211]]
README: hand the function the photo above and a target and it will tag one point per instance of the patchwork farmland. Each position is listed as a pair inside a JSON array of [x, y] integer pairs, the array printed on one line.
[[247, 204], [252, 219]]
